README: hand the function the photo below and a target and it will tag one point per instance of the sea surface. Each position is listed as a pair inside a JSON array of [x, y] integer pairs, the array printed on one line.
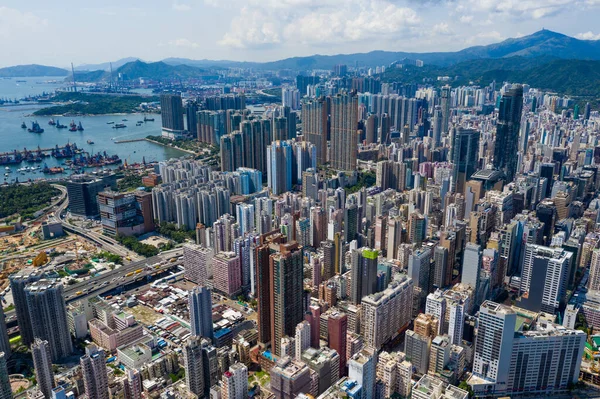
[[96, 129]]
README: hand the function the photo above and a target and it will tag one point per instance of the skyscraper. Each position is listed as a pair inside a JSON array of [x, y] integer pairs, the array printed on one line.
[[4, 340], [506, 145], [287, 274], [171, 109], [446, 100], [5, 390], [193, 363], [544, 277], [364, 273], [95, 376], [344, 133], [302, 339], [48, 315], [18, 282], [464, 156], [200, 303], [337, 328], [314, 126], [472, 268], [196, 261], [362, 369], [132, 386], [42, 364], [234, 384], [279, 167]]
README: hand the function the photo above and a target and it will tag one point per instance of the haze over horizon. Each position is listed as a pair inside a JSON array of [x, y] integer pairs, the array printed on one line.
[[266, 30]]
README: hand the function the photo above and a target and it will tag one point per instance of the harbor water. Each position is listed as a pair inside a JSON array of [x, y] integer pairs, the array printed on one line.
[[96, 129]]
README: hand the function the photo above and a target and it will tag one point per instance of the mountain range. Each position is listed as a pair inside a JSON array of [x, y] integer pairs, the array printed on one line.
[[544, 59]]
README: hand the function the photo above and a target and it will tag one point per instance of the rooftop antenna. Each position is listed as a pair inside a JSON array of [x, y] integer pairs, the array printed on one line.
[[74, 84]]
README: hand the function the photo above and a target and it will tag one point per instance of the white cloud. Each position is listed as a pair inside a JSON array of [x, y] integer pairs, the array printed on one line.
[[14, 22], [181, 7], [589, 35], [466, 19], [319, 23], [184, 43]]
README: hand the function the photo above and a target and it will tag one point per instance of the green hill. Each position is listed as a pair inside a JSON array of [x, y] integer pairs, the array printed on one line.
[[577, 78], [19, 71]]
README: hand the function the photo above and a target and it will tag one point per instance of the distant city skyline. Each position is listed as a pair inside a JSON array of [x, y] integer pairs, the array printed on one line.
[[266, 30]]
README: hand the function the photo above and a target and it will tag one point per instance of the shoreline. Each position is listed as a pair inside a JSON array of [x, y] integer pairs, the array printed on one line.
[[170, 146]]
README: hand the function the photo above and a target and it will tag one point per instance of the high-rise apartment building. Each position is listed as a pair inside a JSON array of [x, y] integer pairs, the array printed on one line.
[[227, 272], [200, 303], [4, 340], [362, 368], [234, 384], [302, 339], [337, 329], [511, 357], [197, 261], [364, 273], [344, 131], [280, 167], [289, 378], [544, 278], [42, 364], [416, 348], [171, 109], [385, 313], [5, 389], [315, 126], [132, 385], [48, 315], [95, 376], [464, 156], [193, 363], [286, 290], [506, 145], [445, 108]]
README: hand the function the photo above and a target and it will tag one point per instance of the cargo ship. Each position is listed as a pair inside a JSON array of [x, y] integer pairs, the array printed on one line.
[[35, 128]]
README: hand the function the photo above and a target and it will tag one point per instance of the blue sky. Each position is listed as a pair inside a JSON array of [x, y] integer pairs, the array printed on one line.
[[62, 31]]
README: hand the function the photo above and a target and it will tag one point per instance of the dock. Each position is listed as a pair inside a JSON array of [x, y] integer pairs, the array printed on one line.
[[129, 141], [45, 151]]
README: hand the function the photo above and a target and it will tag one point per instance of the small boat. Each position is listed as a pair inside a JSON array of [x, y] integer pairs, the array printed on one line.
[[90, 142], [148, 119], [6, 168], [51, 122], [59, 126], [23, 125], [73, 128], [80, 127], [124, 120], [110, 123], [35, 128], [119, 126]]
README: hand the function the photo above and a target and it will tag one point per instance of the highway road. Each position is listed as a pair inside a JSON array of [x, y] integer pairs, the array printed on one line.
[[107, 243], [96, 285]]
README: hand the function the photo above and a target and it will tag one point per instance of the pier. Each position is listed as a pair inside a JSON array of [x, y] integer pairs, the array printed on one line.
[[129, 141], [45, 151]]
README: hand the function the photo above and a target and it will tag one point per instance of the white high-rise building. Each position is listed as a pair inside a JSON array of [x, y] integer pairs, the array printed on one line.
[[471, 272], [245, 217], [543, 359], [302, 339], [362, 368], [436, 306], [234, 384], [42, 363], [594, 279], [385, 313], [544, 278], [95, 376]]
